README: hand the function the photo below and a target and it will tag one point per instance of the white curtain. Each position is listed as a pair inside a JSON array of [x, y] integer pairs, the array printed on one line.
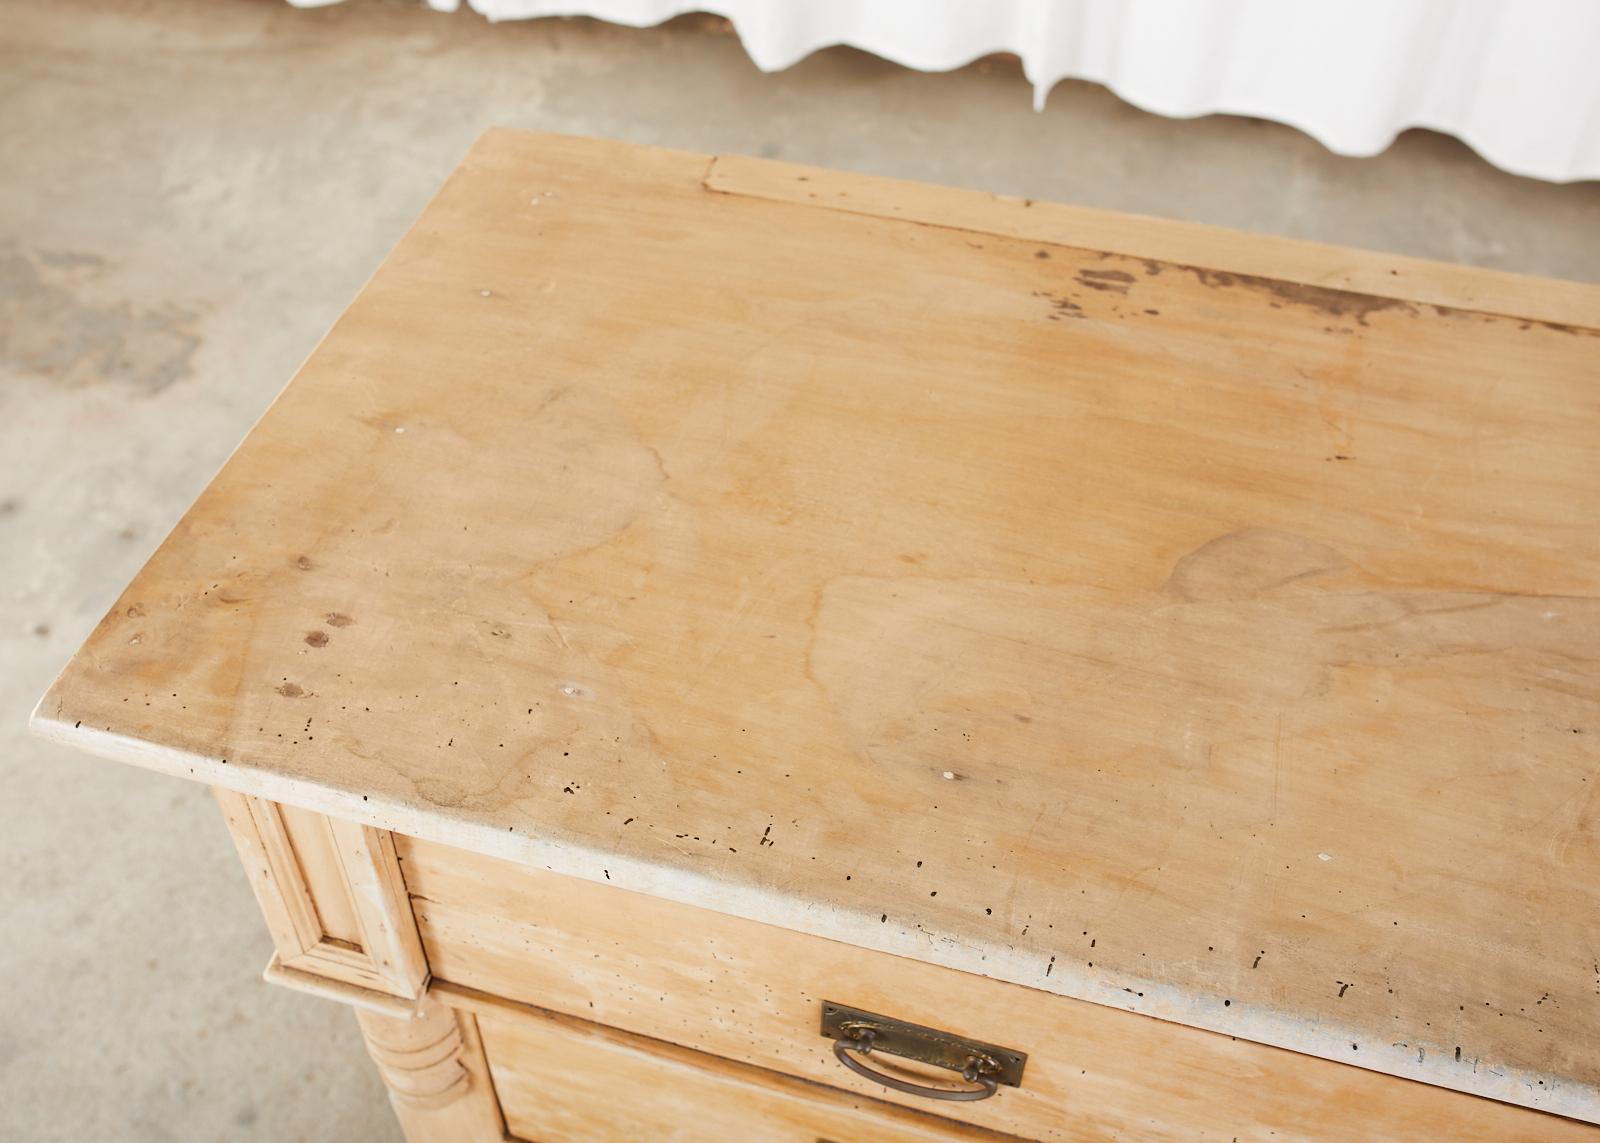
[[1518, 80]]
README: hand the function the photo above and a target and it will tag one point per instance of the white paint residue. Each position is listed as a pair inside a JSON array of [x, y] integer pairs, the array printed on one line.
[[400, 428], [950, 775], [1324, 857]]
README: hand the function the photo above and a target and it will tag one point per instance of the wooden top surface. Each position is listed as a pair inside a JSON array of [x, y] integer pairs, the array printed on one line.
[[1197, 623]]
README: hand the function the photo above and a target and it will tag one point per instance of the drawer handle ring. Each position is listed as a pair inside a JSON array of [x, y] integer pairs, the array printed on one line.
[[861, 1040]]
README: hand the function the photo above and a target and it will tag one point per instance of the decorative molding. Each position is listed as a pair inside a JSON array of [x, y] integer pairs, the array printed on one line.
[[352, 995], [311, 874]]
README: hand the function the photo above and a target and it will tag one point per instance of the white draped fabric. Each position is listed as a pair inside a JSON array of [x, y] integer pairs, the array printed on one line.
[[1518, 80]]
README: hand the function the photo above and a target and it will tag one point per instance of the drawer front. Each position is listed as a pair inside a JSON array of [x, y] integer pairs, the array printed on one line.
[[752, 993], [562, 1080]]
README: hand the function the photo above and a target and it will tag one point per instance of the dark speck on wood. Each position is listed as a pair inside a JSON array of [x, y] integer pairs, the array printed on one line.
[[1062, 306], [316, 638]]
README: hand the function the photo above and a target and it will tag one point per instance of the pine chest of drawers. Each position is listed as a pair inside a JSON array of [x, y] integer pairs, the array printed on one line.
[[713, 649]]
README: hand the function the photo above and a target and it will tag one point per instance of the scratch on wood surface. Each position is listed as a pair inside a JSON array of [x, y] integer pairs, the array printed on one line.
[[1277, 769]]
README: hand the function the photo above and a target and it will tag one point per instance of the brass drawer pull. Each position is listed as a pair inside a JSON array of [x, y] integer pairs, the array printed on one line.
[[862, 1042], [858, 1033]]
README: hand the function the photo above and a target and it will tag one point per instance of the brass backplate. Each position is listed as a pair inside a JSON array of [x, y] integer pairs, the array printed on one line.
[[925, 1045]]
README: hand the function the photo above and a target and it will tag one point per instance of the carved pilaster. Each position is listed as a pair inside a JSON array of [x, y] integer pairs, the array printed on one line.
[[337, 907], [332, 895]]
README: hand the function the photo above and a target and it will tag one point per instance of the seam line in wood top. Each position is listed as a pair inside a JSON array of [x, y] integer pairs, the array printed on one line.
[[1577, 304]]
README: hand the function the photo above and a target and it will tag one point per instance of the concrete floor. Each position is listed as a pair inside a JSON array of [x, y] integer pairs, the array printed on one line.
[[191, 191]]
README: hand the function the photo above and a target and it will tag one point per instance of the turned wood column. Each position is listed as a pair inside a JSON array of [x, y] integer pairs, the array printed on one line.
[[434, 1068]]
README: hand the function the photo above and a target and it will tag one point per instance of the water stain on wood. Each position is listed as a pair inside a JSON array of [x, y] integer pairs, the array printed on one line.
[[1321, 299]]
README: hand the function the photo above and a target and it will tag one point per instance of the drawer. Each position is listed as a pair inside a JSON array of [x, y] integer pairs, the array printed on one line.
[[751, 993], [563, 1080]]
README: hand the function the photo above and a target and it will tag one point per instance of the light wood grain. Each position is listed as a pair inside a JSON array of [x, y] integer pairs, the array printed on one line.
[[1180, 639], [570, 1081], [752, 993]]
